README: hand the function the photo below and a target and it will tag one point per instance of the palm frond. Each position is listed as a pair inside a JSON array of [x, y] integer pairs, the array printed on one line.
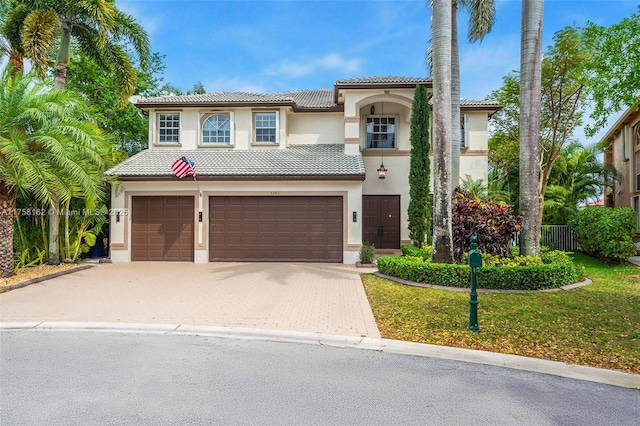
[[481, 19], [38, 38]]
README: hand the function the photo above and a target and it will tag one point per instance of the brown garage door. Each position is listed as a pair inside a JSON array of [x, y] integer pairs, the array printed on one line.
[[300, 229], [162, 228]]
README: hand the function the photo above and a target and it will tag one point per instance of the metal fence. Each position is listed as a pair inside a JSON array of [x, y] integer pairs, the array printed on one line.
[[556, 237]]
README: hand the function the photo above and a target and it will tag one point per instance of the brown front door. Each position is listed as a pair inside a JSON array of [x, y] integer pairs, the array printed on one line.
[[381, 220], [275, 229], [162, 228]]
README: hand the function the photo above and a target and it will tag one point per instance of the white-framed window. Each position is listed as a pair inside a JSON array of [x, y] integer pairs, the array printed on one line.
[[168, 127], [637, 171], [216, 128], [381, 131], [464, 131], [265, 126]]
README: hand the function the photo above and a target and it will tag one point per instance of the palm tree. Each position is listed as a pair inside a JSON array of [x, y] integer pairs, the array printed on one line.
[[12, 15], [482, 15], [578, 176], [97, 27], [48, 149], [530, 105], [441, 38]]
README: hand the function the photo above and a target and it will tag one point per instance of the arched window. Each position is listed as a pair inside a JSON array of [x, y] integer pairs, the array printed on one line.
[[216, 129]]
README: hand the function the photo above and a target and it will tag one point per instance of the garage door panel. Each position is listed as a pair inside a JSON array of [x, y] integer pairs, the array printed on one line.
[[276, 229], [162, 228]]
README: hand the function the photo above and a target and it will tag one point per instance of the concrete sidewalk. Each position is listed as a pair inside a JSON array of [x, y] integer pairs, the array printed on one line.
[[316, 298]]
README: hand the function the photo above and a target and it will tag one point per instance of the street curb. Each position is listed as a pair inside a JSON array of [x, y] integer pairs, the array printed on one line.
[[517, 362], [45, 277]]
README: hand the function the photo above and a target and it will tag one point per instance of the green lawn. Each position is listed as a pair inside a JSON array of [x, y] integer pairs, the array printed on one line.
[[596, 325]]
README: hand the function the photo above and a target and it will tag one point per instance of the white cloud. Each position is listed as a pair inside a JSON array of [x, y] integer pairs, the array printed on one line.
[[332, 61]]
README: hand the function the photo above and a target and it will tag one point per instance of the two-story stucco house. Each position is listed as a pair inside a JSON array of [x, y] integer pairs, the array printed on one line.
[[623, 153], [290, 176]]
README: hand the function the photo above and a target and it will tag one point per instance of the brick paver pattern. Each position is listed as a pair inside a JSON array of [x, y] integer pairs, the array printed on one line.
[[319, 298]]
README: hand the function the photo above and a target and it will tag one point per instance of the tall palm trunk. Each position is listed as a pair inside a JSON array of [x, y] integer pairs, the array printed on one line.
[[62, 62], [530, 104], [441, 36], [455, 98], [7, 210], [60, 83]]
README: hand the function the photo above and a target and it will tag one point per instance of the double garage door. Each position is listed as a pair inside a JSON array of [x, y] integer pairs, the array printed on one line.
[[299, 229]]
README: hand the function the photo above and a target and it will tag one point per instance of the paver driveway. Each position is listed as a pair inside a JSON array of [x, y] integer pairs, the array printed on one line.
[[321, 298]]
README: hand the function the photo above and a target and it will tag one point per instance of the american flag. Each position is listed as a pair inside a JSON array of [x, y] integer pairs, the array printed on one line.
[[183, 167]]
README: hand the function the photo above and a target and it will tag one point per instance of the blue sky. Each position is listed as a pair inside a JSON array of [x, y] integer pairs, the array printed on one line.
[[268, 46]]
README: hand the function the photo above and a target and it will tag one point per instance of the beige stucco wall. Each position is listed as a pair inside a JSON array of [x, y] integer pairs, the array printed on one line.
[[120, 232], [241, 128], [312, 128], [315, 128]]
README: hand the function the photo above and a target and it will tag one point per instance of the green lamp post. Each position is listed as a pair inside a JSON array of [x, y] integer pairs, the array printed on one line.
[[475, 261]]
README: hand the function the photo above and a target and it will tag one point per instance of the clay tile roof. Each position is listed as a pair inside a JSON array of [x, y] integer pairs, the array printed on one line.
[[383, 80], [295, 160]]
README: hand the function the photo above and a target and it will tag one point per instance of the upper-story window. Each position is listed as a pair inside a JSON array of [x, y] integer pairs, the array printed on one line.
[[638, 171], [169, 127], [265, 126], [216, 129], [381, 132], [464, 131]]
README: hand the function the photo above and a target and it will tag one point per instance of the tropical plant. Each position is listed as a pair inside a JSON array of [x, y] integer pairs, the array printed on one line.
[[530, 105], [419, 211], [83, 229], [12, 15], [98, 27], [475, 187], [441, 43], [493, 223], [48, 148], [579, 175]]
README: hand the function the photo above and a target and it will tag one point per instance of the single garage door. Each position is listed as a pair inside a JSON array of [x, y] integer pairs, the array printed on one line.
[[276, 229], [162, 228]]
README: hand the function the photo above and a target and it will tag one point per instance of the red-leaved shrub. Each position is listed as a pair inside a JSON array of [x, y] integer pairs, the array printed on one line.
[[493, 224]]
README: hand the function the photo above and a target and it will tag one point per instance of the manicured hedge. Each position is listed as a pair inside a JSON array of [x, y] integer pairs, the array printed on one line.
[[536, 277], [605, 233], [415, 252]]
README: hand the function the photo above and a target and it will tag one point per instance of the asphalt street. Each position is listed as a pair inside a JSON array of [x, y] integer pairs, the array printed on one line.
[[95, 378]]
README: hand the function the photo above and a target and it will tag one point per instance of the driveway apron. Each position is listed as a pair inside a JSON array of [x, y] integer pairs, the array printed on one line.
[[319, 298]]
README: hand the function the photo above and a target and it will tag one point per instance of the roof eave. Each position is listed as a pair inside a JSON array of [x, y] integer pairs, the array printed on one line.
[[344, 86], [615, 128], [358, 177], [170, 105], [295, 107]]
